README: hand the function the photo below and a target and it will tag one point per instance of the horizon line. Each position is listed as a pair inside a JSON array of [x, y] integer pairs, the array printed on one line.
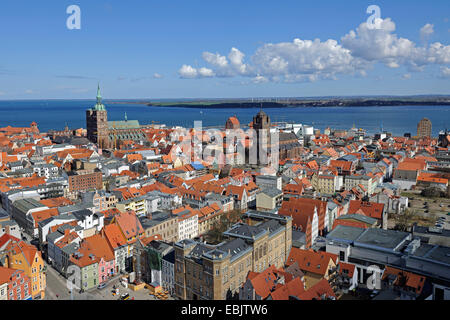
[[240, 98]]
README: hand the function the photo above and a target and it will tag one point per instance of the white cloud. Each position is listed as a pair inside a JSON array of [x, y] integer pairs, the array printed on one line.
[[303, 58], [378, 45], [310, 60], [157, 76], [259, 79], [237, 61], [426, 31], [29, 91], [187, 72], [445, 72], [406, 76], [215, 59], [205, 72]]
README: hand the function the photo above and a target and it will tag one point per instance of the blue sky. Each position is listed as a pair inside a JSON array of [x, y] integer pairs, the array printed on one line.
[[137, 49]]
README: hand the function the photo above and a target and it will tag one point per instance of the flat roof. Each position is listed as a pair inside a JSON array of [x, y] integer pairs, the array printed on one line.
[[3, 213], [433, 252], [27, 204], [345, 233], [389, 239], [156, 219]]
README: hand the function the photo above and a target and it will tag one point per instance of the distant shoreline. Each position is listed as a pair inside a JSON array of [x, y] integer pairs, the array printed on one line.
[[292, 103]]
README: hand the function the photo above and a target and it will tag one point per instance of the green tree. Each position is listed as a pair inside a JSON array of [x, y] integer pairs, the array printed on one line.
[[226, 220], [403, 221], [431, 192]]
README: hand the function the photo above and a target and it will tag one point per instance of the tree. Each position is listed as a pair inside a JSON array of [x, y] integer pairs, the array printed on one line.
[[403, 221], [226, 220], [232, 296], [431, 192]]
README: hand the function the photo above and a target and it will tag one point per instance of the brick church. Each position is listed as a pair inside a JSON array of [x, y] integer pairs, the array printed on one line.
[[108, 134]]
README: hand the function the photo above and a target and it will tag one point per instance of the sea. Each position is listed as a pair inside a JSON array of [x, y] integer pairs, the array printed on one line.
[[55, 114]]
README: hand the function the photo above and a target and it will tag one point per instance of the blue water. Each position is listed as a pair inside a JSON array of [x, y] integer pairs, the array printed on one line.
[[54, 114]]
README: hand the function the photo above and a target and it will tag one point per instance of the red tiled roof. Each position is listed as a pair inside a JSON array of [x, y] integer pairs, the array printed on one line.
[[129, 224], [114, 236], [293, 288], [310, 261], [264, 281], [319, 291], [370, 209]]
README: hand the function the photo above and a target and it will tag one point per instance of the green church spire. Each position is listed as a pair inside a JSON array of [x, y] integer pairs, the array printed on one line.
[[99, 97], [99, 105]]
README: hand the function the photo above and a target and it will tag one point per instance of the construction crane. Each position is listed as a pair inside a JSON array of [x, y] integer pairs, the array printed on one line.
[[138, 254], [115, 136]]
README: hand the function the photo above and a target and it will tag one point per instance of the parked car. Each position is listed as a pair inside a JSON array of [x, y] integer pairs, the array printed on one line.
[[125, 296], [374, 293], [102, 285]]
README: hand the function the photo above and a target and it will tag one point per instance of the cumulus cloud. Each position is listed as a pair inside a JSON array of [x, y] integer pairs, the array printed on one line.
[[445, 72], [303, 59], [259, 79], [311, 60], [426, 31], [205, 72], [379, 44], [406, 76], [187, 72]]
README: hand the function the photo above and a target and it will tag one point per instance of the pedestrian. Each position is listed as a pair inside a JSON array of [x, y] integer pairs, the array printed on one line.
[[57, 295]]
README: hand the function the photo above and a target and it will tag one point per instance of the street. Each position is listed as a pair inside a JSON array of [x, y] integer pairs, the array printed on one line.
[[56, 285]]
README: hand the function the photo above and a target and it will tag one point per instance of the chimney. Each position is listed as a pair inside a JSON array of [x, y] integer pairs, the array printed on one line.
[[66, 232], [7, 230]]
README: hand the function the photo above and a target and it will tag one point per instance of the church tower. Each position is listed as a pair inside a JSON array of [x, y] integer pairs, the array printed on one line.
[[97, 123], [261, 124]]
